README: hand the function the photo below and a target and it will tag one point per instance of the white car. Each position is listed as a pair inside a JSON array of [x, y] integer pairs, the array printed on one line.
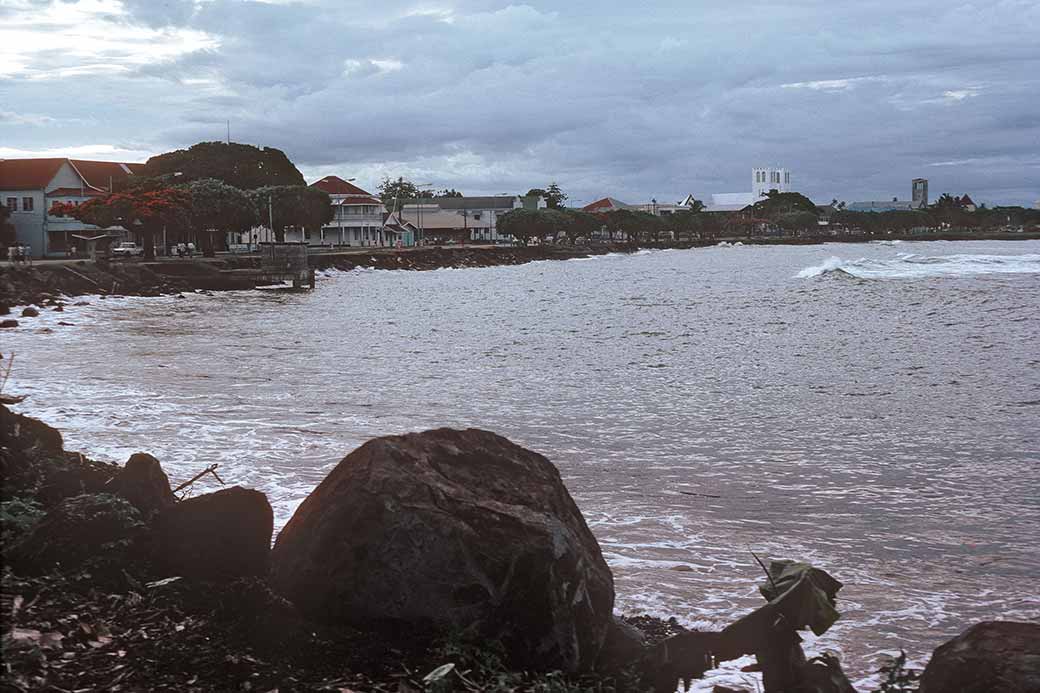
[[127, 249]]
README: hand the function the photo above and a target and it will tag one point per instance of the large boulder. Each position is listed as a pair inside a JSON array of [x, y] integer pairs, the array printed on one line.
[[451, 530], [144, 483], [216, 536], [990, 656]]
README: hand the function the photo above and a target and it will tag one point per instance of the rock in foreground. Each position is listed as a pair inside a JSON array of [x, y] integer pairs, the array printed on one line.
[[451, 530], [216, 536], [990, 656]]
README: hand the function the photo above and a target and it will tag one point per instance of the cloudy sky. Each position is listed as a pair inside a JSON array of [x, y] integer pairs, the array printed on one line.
[[606, 97]]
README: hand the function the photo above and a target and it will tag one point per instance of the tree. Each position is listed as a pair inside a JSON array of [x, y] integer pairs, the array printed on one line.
[[777, 203], [215, 207], [298, 206], [400, 189], [522, 224], [448, 193], [796, 221], [145, 213], [7, 233], [554, 197], [689, 224], [580, 224], [244, 166]]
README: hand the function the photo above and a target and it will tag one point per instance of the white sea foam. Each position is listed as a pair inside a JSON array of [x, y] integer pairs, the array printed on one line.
[[911, 266]]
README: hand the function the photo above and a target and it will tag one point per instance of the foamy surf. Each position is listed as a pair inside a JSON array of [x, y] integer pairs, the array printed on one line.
[[911, 266]]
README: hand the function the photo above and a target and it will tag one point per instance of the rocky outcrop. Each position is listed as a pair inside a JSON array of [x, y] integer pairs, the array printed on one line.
[[88, 527], [990, 656], [216, 536], [144, 483], [448, 529]]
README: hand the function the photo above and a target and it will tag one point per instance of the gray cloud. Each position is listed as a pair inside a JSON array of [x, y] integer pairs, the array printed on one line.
[[604, 97]]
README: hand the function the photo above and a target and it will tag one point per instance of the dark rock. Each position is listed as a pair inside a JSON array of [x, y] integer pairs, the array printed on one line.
[[29, 312], [144, 483], [8, 323], [219, 535], [625, 646], [66, 324], [451, 530], [269, 621], [59, 308], [5, 309], [87, 527], [990, 656]]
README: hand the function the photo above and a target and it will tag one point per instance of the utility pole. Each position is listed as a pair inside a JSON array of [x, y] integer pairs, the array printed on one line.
[[229, 131], [270, 213]]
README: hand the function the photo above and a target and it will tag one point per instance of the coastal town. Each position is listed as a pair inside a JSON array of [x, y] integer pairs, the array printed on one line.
[[232, 198]]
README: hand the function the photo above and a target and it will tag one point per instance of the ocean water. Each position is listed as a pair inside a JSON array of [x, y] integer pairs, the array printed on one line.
[[871, 408]]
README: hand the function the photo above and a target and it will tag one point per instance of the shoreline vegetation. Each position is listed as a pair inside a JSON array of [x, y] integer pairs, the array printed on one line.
[[112, 581], [45, 283]]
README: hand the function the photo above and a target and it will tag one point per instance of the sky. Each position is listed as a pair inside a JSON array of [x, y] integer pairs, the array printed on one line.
[[631, 100]]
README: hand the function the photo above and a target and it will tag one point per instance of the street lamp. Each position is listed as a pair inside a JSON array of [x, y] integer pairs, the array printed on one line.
[[419, 211]]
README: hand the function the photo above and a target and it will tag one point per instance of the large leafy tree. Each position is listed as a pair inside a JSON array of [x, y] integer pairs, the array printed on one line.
[[401, 189], [241, 165], [297, 206], [580, 224], [554, 197], [217, 207], [777, 203], [142, 212], [522, 224]]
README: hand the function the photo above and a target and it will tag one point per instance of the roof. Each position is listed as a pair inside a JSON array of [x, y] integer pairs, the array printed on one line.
[[607, 204], [75, 192], [334, 185], [28, 174], [440, 220], [476, 202], [35, 174], [101, 174], [357, 200], [880, 206]]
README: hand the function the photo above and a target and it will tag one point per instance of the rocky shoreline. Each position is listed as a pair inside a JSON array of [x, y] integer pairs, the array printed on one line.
[[44, 284], [430, 562]]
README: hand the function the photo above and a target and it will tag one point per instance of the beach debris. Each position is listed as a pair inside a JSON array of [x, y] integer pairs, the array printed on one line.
[[212, 469]]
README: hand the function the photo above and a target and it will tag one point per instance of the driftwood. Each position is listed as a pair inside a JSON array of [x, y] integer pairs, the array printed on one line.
[[769, 633], [212, 469]]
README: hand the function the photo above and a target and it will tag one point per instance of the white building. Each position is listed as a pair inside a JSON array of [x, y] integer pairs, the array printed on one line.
[[357, 217], [770, 178], [29, 187]]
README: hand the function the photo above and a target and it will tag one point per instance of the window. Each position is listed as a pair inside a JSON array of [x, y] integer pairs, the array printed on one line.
[[12, 204], [27, 204]]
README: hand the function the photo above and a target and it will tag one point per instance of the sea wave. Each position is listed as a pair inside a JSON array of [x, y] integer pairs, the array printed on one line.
[[911, 266]]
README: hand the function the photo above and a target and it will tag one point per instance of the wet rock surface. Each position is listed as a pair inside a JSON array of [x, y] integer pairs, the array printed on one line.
[[991, 656], [457, 530]]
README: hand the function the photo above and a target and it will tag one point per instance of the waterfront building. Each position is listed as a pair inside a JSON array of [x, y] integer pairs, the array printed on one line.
[[463, 219], [918, 200], [357, 218], [30, 187]]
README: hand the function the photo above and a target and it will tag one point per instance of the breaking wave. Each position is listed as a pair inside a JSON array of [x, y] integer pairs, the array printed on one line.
[[911, 266]]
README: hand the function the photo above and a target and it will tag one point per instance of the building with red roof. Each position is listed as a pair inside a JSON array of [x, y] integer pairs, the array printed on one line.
[[29, 187], [357, 217]]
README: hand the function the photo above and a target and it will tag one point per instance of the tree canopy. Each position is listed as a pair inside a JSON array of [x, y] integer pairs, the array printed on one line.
[[216, 206], [144, 212], [7, 233], [402, 189], [241, 165], [297, 206], [554, 197]]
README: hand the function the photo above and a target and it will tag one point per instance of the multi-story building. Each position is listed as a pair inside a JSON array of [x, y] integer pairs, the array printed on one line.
[[357, 218], [30, 187]]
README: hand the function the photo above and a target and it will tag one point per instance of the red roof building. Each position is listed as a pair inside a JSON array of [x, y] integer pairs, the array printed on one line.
[[29, 187], [357, 217]]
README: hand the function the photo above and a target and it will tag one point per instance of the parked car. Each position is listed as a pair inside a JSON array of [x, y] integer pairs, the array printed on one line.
[[127, 249]]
